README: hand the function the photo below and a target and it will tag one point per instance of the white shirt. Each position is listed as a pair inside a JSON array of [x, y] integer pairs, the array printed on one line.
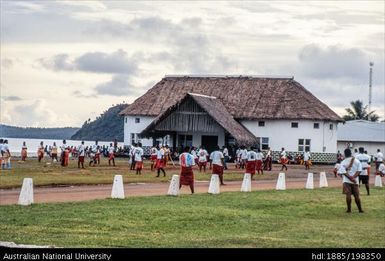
[[186, 159], [238, 153], [63, 147], [283, 154], [379, 157], [306, 156], [82, 151], [216, 157], [202, 154], [194, 153], [364, 159], [111, 149], [259, 156], [337, 166], [381, 168], [244, 154], [356, 166], [160, 154], [5, 147], [225, 152], [153, 151], [251, 156], [138, 152], [268, 153]]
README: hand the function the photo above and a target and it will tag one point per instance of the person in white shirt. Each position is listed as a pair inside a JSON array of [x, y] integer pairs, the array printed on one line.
[[381, 170], [6, 154], [216, 163], [306, 159], [268, 161], [186, 162], [355, 153], [284, 159], [1, 154], [350, 169], [364, 176], [24, 151], [111, 155], [160, 161], [132, 155], [82, 154], [96, 151], [225, 152], [194, 151], [251, 162], [259, 161], [336, 168], [238, 158], [138, 152], [153, 152], [64, 158], [379, 158], [202, 159], [369, 162]]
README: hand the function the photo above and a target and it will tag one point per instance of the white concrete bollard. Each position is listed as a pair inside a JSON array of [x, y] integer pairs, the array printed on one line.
[[214, 184], [117, 187], [378, 181], [323, 182], [281, 182], [26, 193], [246, 184], [310, 181], [173, 189]]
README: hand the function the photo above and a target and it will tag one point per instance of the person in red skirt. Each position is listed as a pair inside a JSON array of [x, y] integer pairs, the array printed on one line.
[[111, 155], [153, 152], [284, 159], [186, 162], [217, 163], [160, 161], [138, 152], [251, 162], [259, 161]]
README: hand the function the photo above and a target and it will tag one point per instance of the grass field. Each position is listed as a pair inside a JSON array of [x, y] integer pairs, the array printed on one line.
[[291, 218], [44, 174]]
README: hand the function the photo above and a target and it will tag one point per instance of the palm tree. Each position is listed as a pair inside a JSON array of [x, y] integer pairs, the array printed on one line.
[[359, 112]]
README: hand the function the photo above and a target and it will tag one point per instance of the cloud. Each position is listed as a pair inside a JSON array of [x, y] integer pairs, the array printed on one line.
[[119, 85], [37, 114], [12, 98], [79, 94], [96, 62], [333, 62]]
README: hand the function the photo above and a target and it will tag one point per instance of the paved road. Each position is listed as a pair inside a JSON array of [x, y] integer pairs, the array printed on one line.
[[84, 193]]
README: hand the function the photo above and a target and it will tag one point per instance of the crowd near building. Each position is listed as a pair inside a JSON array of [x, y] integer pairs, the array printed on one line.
[[233, 111]]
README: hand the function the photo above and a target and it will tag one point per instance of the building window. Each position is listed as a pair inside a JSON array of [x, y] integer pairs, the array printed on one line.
[[261, 124], [137, 120], [135, 138], [263, 143], [185, 140], [304, 145], [132, 138], [316, 125], [294, 124], [331, 126]]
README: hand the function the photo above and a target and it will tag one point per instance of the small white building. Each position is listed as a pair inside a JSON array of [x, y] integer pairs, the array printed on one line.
[[361, 133], [232, 111]]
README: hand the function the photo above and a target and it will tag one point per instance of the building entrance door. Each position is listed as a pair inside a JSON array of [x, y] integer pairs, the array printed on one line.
[[209, 142]]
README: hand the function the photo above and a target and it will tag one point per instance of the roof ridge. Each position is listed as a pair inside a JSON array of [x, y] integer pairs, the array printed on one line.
[[286, 77], [201, 95]]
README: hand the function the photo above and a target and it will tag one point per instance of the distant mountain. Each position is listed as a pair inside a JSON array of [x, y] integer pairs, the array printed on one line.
[[7, 131], [107, 127]]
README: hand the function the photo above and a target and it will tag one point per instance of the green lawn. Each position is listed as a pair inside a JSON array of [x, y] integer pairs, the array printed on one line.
[[291, 218]]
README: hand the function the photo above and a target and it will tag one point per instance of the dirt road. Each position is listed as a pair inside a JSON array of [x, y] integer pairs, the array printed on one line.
[[84, 193]]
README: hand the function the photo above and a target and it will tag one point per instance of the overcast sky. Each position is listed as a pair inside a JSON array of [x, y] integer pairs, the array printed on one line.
[[63, 62]]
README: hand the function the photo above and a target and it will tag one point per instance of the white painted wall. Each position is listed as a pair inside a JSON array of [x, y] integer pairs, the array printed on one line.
[[281, 134], [371, 147], [131, 127]]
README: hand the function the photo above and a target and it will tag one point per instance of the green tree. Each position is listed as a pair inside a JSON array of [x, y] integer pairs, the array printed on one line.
[[358, 111]]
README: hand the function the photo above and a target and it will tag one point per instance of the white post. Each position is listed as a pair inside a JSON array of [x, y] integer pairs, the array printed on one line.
[[281, 182], [26, 193], [378, 181], [310, 181], [323, 182], [246, 184], [117, 187], [173, 189], [214, 184]]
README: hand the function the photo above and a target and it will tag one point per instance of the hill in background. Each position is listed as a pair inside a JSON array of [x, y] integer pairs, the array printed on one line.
[[107, 127], [7, 131]]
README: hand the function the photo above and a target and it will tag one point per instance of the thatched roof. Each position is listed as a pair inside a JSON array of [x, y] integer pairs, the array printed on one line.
[[215, 109], [244, 97]]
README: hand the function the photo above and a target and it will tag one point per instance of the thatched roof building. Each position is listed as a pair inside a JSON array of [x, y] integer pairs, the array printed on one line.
[[244, 97]]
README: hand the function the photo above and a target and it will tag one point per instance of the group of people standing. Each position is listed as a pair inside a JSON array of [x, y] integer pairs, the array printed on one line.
[[5, 155]]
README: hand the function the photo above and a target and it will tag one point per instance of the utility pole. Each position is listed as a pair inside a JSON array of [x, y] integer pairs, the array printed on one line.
[[370, 84]]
